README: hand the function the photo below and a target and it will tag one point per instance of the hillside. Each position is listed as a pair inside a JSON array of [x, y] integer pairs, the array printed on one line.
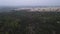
[[24, 22]]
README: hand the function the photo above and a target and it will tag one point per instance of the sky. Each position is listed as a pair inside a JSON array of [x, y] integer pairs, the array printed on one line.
[[29, 2]]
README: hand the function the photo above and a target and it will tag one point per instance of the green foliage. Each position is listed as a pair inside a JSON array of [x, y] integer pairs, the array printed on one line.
[[6, 32], [21, 22]]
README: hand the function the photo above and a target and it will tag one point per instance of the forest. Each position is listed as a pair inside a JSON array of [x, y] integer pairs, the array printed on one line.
[[24, 22]]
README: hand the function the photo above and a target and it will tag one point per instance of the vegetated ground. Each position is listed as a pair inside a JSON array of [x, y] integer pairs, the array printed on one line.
[[23, 22]]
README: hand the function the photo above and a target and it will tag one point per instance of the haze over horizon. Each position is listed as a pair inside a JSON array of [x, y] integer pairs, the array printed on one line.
[[29, 2]]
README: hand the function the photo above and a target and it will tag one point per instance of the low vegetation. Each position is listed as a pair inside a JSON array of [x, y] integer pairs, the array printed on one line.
[[23, 22]]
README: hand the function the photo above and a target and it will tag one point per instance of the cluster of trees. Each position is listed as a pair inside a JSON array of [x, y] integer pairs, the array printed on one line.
[[23, 22]]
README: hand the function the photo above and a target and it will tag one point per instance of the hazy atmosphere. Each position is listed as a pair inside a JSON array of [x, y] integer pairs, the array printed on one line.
[[29, 2], [29, 16]]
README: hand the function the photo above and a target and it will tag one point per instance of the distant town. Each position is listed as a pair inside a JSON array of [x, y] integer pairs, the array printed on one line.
[[40, 9]]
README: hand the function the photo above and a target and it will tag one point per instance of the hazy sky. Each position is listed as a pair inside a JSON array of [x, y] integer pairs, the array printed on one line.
[[29, 2]]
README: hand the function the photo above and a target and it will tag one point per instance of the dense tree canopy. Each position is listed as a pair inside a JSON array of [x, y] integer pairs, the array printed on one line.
[[23, 22]]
